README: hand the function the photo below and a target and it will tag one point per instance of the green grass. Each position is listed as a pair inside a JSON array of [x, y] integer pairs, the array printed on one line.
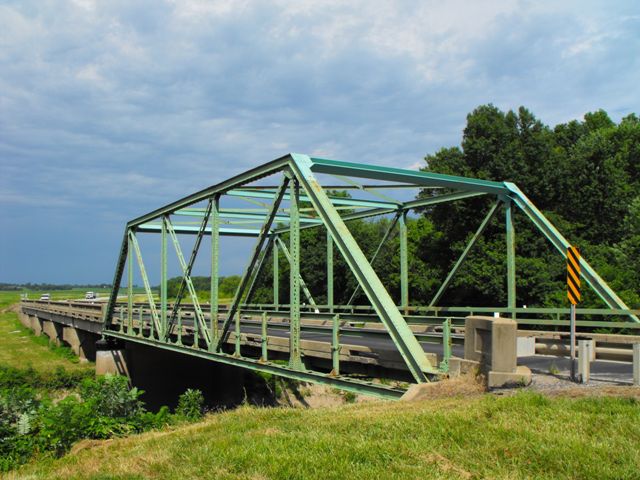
[[525, 436], [20, 348]]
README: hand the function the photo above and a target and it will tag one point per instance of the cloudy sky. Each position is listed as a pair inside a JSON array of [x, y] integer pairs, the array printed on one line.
[[111, 109]]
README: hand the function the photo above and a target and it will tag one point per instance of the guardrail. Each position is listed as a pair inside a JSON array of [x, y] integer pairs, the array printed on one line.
[[423, 316]]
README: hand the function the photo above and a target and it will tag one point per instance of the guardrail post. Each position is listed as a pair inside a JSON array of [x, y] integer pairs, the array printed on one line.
[[335, 345], [140, 322], [196, 331], [179, 342], [264, 339], [446, 345], [237, 335], [152, 330], [584, 360], [636, 364], [121, 320]]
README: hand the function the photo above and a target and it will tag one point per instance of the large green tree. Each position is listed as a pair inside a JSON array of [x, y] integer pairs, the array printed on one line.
[[582, 174]]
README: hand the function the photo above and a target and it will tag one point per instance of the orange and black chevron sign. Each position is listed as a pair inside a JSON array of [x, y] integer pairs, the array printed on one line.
[[573, 275]]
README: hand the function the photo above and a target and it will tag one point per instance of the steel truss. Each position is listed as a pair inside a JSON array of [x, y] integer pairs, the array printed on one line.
[[309, 206]]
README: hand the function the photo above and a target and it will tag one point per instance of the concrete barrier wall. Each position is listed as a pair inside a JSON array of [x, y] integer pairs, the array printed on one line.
[[492, 343]]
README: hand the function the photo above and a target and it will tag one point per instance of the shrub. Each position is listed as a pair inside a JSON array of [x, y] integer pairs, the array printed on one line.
[[18, 409], [191, 405], [12, 377], [103, 408], [110, 396], [62, 424]]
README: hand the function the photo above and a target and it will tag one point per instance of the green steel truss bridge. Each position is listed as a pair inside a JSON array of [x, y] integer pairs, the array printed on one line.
[[294, 199]]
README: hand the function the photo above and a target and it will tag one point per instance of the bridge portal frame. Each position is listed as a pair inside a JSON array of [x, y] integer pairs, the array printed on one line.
[[300, 184]]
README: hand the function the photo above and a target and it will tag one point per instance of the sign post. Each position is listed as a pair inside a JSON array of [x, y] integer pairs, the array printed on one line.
[[573, 293]]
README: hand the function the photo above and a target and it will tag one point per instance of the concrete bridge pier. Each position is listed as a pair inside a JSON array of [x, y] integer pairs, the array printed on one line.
[[82, 343], [35, 325], [111, 358], [24, 319], [53, 330]]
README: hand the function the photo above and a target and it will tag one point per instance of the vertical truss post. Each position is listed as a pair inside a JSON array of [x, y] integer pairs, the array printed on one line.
[[511, 257], [264, 338], [295, 359], [140, 321], [163, 282], [335, 345], [404, 264], [276, 275], [330, 271], [129, 286], [464, 254], [215, 255], [446, 345]]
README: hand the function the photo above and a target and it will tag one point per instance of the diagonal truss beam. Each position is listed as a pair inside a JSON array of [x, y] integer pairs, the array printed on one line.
[[222, 187], [256, 273], [463, 255], [186, 281], [418, 203], [117, 279], [401, 334], [145, 281], [385, 237], [303, 284], [561, 244], [265, 232]]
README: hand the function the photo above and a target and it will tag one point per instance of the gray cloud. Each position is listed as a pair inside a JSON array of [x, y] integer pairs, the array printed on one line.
[[110, 109]]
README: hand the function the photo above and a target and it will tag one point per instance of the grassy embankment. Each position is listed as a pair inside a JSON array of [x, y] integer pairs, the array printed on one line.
[[524, 436], [20, 348]]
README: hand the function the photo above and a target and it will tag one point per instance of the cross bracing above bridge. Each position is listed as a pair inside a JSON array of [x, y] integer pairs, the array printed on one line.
[[295, 199]]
